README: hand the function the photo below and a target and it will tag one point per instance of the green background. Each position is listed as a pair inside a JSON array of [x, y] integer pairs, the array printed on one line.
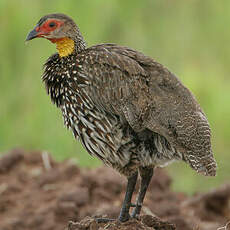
[[190, 37]]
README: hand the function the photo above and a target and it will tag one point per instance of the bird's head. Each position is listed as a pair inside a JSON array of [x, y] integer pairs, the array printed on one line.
[[59, 29]]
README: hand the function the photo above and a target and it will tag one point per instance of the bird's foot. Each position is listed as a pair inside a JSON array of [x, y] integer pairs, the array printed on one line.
[[135, 216], [124, 218], [136, 211]]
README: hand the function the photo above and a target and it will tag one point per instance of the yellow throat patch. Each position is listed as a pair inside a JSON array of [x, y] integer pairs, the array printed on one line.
[[65, 46]]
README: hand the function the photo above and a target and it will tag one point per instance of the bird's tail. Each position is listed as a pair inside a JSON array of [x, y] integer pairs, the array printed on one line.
[[205, 165]]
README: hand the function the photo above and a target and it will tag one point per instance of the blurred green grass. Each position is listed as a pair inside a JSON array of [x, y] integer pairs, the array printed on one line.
[[190, 37]]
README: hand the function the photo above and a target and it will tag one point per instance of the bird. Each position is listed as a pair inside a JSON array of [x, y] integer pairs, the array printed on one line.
[[125, 108]]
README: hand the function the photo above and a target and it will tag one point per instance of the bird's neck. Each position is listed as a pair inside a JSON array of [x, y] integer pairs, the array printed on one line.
[[65, 46]]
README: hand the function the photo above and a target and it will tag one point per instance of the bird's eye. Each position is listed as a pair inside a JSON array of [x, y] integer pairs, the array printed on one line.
[[52, 24]]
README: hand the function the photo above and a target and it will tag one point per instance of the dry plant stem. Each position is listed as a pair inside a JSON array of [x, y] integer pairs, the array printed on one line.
[[46, 160]]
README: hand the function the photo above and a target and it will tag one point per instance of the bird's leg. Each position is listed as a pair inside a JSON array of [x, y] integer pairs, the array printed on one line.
[[124, 214], [146, 175]]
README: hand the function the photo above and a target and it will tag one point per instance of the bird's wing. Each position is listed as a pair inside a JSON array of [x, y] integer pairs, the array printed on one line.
[[127, 83]]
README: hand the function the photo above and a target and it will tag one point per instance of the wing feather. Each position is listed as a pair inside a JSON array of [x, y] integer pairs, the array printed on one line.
[[145, 94]]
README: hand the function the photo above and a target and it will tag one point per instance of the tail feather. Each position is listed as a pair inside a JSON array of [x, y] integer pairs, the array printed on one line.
[[194, 136], [205, 165]]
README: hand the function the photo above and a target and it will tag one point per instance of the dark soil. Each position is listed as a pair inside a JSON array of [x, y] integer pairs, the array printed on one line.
[[37, 193]]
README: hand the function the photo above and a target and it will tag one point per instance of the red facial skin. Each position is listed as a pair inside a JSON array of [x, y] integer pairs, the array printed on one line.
[[45, 29]]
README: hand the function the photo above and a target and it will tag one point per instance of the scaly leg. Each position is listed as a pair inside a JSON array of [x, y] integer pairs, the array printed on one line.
[[146, 175], [124, 214]]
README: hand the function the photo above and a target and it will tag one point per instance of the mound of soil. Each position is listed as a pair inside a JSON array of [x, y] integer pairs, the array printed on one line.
[[37, 193]]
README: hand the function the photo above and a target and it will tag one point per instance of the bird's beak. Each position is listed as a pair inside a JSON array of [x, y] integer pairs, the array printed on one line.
[[32, 34]]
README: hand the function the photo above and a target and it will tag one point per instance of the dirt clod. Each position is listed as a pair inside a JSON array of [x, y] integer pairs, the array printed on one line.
[[9, 160], [146, 222], [37, 193]]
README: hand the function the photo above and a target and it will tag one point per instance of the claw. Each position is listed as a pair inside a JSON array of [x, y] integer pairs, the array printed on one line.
[[124, 218]]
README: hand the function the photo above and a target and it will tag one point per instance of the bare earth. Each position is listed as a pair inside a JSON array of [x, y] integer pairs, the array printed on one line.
[[37, 193]]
